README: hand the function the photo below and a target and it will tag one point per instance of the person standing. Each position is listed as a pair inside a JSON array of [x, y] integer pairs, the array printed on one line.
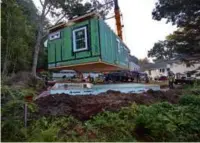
[[171, 79], [138, 77], [146, 78]]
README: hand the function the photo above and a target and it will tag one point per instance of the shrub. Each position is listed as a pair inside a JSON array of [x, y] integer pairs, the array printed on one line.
[[152, 124], [12, 113], [190, 100], [165, 122], [117, 126], [156, 122]]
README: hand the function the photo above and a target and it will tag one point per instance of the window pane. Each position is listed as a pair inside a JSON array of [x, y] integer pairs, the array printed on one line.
[[80, 41], [80, 34], [80, 44]]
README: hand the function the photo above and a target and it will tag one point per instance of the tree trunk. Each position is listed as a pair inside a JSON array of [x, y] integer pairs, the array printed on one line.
[[5, 64], [14, 66], [36, 50], [38, 40]]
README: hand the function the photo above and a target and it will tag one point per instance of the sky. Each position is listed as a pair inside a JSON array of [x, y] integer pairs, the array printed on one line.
[[140, 31]]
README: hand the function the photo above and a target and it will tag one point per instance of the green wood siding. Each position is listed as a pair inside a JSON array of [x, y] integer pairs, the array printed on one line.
[[102, 44], [95, 38], [60, 51], [109, 46], [67, 45]]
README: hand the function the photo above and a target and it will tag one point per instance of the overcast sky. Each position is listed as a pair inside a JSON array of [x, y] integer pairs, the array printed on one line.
[[140, 31]]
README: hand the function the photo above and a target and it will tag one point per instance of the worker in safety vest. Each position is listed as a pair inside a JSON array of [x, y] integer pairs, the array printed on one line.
[[171, 77], [138, 77]]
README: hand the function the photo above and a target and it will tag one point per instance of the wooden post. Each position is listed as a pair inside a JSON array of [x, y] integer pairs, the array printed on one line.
[[25, 115], [28, 99]]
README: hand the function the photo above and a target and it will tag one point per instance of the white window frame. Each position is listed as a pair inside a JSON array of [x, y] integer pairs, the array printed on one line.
[[74, 39], [55, 35]]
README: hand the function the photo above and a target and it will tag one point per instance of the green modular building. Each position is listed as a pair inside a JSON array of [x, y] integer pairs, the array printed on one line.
[[86, 44]]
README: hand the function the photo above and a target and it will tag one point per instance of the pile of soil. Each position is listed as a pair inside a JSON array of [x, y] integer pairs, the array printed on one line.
[[85, 106]]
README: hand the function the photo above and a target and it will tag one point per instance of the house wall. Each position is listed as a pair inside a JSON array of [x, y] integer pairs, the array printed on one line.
[[133, 67], [60, 51], [175, 68], [153, 73], [182, 68], [113, 50], [102, 44]]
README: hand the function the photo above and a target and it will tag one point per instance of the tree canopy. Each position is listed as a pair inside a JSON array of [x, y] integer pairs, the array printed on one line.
[[61, 9], [17, 38], [143, 61], [186, 40], [179, 12], [23, 29], [163, 50]]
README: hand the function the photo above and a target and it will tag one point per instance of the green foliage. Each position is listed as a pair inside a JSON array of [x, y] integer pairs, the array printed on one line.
[[143, 62], [24, 28], [51, 129], [180, 12], [29, 10], [192, 89], [190, 100], [157, 122], [42, 131], [185, 14], [17, 38], [47, 74], [78, 7], [36, 84], [12, 110], [162, 50], [111, 127], [165, 122]]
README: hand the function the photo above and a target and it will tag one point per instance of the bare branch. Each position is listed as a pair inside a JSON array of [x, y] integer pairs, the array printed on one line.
[[42, 17], [41, 3], [60, 18], [48, 10]]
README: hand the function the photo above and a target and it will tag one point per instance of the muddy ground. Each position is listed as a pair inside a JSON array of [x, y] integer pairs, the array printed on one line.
[[84, 107]]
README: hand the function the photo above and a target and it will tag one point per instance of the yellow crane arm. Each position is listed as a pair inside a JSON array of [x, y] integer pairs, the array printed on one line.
[[118, 19]]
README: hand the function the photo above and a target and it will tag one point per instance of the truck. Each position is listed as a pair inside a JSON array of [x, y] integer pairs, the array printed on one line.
[[125, 76]]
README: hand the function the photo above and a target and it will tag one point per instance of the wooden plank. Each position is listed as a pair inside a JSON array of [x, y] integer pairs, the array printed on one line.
[[91, 67]]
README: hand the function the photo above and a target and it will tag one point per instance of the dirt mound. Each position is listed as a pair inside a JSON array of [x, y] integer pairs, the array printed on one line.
[[84, 107]]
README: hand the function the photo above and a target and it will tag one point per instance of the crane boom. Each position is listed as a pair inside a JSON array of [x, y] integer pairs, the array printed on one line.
[[118, 19]]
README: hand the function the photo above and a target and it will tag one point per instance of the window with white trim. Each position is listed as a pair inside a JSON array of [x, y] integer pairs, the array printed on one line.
[[80, 39], [55, 35]]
